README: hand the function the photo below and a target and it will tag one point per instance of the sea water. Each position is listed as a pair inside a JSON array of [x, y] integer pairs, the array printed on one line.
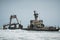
[[29, 35]]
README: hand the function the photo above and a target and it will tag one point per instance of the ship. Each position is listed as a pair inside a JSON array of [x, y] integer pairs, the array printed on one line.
[[37, 25]]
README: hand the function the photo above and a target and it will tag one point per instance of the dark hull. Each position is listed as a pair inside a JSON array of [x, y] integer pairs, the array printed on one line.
[[40, 29]]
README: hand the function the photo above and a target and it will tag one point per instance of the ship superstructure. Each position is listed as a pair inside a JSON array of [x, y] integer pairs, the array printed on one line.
[[34, 24], [13, 25]]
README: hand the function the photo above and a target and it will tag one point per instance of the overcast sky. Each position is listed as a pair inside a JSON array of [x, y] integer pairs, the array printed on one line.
[[48, 10]]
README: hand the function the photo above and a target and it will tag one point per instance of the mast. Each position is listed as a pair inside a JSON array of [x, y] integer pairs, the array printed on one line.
[[35, 15]]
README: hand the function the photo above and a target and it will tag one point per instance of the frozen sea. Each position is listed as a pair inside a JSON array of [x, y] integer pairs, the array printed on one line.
[[28, 35]]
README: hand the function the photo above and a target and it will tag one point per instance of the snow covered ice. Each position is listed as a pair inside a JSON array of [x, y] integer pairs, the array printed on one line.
[[28, 35]]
